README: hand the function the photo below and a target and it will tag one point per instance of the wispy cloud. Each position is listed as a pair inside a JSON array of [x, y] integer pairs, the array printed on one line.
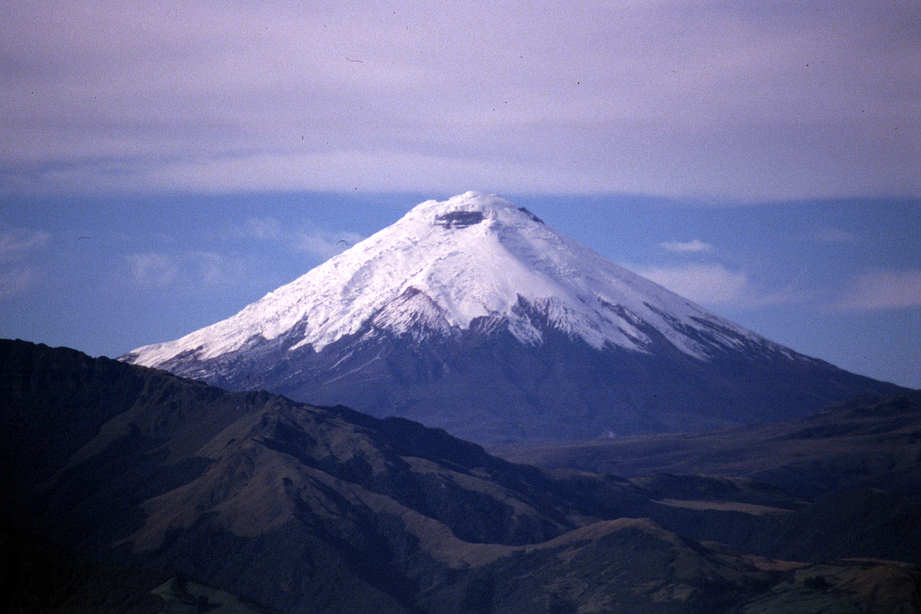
[[263, 228], [15, 280], [15, 243], [878, 290], [830, 234], [17, 248], [326, 244], [716, 285], [152, 270], [210, 267], [193, 269], [318, 242], [691, 247], [710, 284]]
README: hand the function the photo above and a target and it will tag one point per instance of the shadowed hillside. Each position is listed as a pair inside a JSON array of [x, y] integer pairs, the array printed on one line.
[[135, 490]]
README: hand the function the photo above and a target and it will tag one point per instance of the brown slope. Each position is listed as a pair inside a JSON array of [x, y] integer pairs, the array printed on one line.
[[298, 508], [849, 476], [844, 443]]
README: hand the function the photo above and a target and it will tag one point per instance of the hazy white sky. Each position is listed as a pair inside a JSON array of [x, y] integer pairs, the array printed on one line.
[[733, 100]]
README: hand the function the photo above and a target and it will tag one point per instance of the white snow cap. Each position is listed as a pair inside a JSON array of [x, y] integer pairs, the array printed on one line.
[[445, 264]]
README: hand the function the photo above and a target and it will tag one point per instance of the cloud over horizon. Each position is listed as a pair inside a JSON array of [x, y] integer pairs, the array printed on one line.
[[152, 270], [882, 290], [738, 102], [690, 247], [325, 244], [186, 269], [829, 234], [17, 245], [709, 284]]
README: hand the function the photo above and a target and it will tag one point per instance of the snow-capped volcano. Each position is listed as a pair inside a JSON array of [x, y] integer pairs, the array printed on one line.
[[392, 324], [446, 264]]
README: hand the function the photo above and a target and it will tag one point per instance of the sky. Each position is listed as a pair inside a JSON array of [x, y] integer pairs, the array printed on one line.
[[164, 164]]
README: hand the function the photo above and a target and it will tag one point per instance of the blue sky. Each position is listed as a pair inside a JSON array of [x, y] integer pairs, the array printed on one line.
[[164, 164], [839, 280]]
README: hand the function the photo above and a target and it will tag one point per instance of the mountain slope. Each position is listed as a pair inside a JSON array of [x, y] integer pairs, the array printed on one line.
[[472, 315], [850, 475], [181, 495]]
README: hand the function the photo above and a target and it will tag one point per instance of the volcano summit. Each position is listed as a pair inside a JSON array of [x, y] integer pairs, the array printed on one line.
[[473, 315]]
